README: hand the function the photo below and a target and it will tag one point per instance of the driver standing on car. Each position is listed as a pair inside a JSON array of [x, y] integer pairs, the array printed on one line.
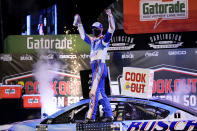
[[99, 45]]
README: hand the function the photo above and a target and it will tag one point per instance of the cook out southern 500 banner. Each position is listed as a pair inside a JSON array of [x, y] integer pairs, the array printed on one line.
[[153, 16], [137, 82], [175, 72]]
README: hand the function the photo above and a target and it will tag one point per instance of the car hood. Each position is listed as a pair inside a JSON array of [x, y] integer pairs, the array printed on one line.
[[25, 125]]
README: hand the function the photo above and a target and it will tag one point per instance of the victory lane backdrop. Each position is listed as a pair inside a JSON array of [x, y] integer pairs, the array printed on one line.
[[174, 77], [175, 72]]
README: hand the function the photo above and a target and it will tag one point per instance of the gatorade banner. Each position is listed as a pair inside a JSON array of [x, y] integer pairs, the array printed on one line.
[[137, 82], [154, 16], [33, 43], [175, 69], [72, 44]]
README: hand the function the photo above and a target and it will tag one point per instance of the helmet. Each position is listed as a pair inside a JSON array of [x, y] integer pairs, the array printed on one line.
[[97, 25]]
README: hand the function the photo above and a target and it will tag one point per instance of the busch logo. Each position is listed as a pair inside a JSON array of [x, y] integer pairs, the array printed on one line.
[[26, 57], [127, 55]]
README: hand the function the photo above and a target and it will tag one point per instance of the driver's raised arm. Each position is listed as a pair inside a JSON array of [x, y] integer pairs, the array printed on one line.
[[83, 35]]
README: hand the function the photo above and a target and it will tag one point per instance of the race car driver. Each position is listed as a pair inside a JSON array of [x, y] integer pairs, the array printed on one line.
[[99, 45]]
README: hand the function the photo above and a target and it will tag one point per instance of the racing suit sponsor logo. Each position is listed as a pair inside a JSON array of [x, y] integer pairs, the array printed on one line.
[[165, 41], [93, 54], [92, 101]]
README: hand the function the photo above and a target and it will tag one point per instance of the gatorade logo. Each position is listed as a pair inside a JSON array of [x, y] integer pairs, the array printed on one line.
[[159, 10]]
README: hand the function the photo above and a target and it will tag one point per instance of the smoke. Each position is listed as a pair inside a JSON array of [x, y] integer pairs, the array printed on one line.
[[181, 90], [43, 74]]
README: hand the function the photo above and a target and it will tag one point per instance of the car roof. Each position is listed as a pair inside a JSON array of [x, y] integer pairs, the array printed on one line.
[[132, 99], [164, 101]]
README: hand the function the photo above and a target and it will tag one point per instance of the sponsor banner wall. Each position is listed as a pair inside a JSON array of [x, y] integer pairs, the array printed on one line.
[[154, 16], [119, 42], [175, 72], [30, 44], [174, 76]]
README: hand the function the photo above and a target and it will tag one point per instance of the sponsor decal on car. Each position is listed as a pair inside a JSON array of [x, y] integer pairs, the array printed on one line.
[[164, 125]]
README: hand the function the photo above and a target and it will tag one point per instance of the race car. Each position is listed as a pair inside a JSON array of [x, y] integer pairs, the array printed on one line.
[[129, 114]]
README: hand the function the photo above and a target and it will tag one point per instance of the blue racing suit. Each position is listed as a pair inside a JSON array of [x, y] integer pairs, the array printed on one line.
[[99, 47]]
